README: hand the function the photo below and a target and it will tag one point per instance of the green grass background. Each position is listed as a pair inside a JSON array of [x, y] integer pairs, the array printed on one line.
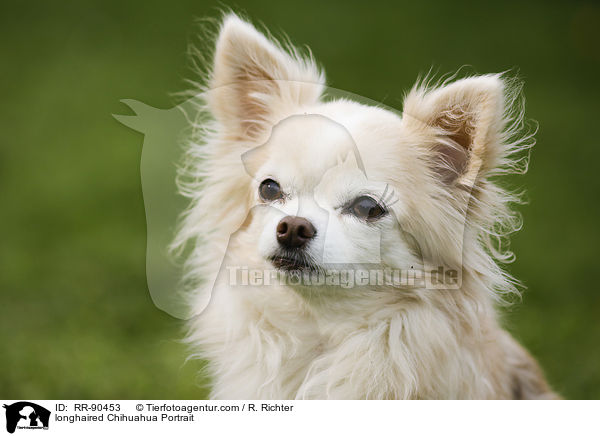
[[76, 319]]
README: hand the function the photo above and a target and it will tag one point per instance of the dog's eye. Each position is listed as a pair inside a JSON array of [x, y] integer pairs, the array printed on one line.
[[270, 190], [366, 208]]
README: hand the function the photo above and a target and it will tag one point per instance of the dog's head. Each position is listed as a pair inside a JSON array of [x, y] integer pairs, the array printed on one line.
[[306, 183]]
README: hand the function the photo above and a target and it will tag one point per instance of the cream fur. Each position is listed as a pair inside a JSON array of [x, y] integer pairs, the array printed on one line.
[[437, 157]]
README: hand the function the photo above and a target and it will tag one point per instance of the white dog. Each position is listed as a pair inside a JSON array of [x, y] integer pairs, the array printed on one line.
[[282, 180]]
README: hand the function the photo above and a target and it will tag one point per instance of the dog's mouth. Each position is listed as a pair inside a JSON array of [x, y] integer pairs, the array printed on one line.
[[292, 262]]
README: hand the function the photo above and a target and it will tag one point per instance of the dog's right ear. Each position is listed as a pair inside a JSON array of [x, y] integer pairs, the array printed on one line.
[[255, 83]]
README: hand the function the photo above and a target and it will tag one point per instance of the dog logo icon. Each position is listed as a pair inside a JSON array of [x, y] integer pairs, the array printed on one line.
[[26, 415]]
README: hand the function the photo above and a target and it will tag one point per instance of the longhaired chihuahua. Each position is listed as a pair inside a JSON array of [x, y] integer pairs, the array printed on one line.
[[341, 249]]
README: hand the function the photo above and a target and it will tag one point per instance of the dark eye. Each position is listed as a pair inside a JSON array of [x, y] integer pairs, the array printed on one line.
[[270, 190], [366, 208]]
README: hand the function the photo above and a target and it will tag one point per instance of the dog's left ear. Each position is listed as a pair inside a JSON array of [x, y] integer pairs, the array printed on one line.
[[459, 127], [254, 80]]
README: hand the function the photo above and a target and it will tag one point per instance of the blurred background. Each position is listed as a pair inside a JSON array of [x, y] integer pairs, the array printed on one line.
[[76, 318]]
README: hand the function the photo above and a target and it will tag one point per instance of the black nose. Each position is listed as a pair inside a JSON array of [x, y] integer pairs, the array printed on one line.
[[294, 231]]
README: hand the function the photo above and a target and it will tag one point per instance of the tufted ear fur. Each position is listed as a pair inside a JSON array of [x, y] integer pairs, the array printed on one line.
[[460, 125], [254, 80]]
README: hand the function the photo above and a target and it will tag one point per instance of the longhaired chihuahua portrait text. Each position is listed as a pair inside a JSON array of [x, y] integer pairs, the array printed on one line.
[[343, 250]]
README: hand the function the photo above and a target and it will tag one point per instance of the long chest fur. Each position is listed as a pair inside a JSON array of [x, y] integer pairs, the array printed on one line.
[[275, 347]]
